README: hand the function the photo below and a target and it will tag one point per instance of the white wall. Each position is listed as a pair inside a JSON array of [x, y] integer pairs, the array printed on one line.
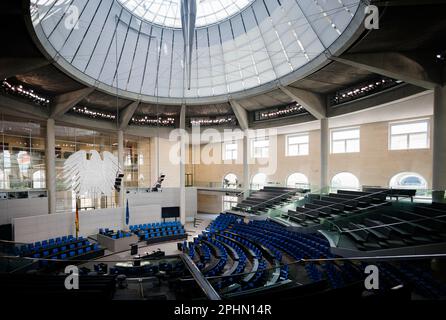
[[144, 207], [18, 208], [171, 170]]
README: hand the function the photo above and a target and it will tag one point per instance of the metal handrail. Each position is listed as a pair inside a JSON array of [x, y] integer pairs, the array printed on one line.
[[304, 260], [343, 202], [272, 199], [395, 223]]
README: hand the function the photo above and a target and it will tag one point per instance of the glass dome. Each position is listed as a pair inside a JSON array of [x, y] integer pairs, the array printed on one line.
[[167, 12], [243, 47]]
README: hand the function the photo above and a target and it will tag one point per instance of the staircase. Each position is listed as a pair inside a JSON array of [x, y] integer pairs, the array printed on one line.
[[261, 201]]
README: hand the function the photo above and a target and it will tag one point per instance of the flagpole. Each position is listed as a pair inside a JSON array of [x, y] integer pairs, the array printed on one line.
[[76, 218]]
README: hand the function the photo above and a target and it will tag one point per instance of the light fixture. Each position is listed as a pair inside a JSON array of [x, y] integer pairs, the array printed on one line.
[[20, 91], [362, 90], [153, 121], [94, 113]]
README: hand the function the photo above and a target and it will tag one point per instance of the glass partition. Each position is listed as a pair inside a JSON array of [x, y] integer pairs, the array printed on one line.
[[22, 154]]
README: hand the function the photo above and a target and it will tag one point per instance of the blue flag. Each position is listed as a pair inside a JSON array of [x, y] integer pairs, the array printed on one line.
[[127, 213]]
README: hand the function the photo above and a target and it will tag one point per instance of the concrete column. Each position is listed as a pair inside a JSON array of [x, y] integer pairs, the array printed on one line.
[[121, 165], [246, 181], [439, 145], [183, 165], [51, 165], [324, 155]]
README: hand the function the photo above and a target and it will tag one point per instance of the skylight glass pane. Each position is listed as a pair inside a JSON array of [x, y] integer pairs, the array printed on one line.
[[167, 12]]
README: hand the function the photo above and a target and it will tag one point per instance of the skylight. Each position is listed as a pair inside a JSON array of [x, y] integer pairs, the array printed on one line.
[[167, 12]]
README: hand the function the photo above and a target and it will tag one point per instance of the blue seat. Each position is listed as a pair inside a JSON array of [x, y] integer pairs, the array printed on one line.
[[36, 255], [63, 256], [87, 249], [55, 250], [44, 242], [80, 251], [80, 244], [64, 238], [63, 248], [72, 253], [72, 246], [51, 241], [95, 247], [58, 239], [46, 253]]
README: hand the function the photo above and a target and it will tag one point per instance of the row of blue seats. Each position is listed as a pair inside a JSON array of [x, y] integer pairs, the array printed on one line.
[[222, 222], [258, 277], [146, 235], [30, 249], [73, 254], [155, 225], [277, 238], [242, 259], [222, 255], [64, 248], [298, 245], [308, 248]]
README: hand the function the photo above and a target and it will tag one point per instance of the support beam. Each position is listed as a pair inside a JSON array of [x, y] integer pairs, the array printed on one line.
[[241, 114], [416, 69], [324, 155], [50, 174], [246, 181], [439, 145], [183, 164], [10, 67], [242, 118], [64, 102], [127, 114], [314, 103]]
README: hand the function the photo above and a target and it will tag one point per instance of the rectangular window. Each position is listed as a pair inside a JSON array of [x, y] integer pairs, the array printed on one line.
[[260, 148], [297, 145], [230, 151], [229, 202], [345, 140], [409, 135]]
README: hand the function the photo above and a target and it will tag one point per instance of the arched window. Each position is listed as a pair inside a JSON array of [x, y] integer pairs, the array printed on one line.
[[408, 180], [258, 181], [345, 180], [297, 180], [230, 181], [39, 179]]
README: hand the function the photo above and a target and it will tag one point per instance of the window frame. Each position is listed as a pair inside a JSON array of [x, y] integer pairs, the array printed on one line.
[[252, 149], [287, 144], [235, 151], [334, 130], [225, 201], [407, 135]]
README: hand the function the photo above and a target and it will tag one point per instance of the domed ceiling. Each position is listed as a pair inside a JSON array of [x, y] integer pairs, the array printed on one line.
[[135, 48]]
